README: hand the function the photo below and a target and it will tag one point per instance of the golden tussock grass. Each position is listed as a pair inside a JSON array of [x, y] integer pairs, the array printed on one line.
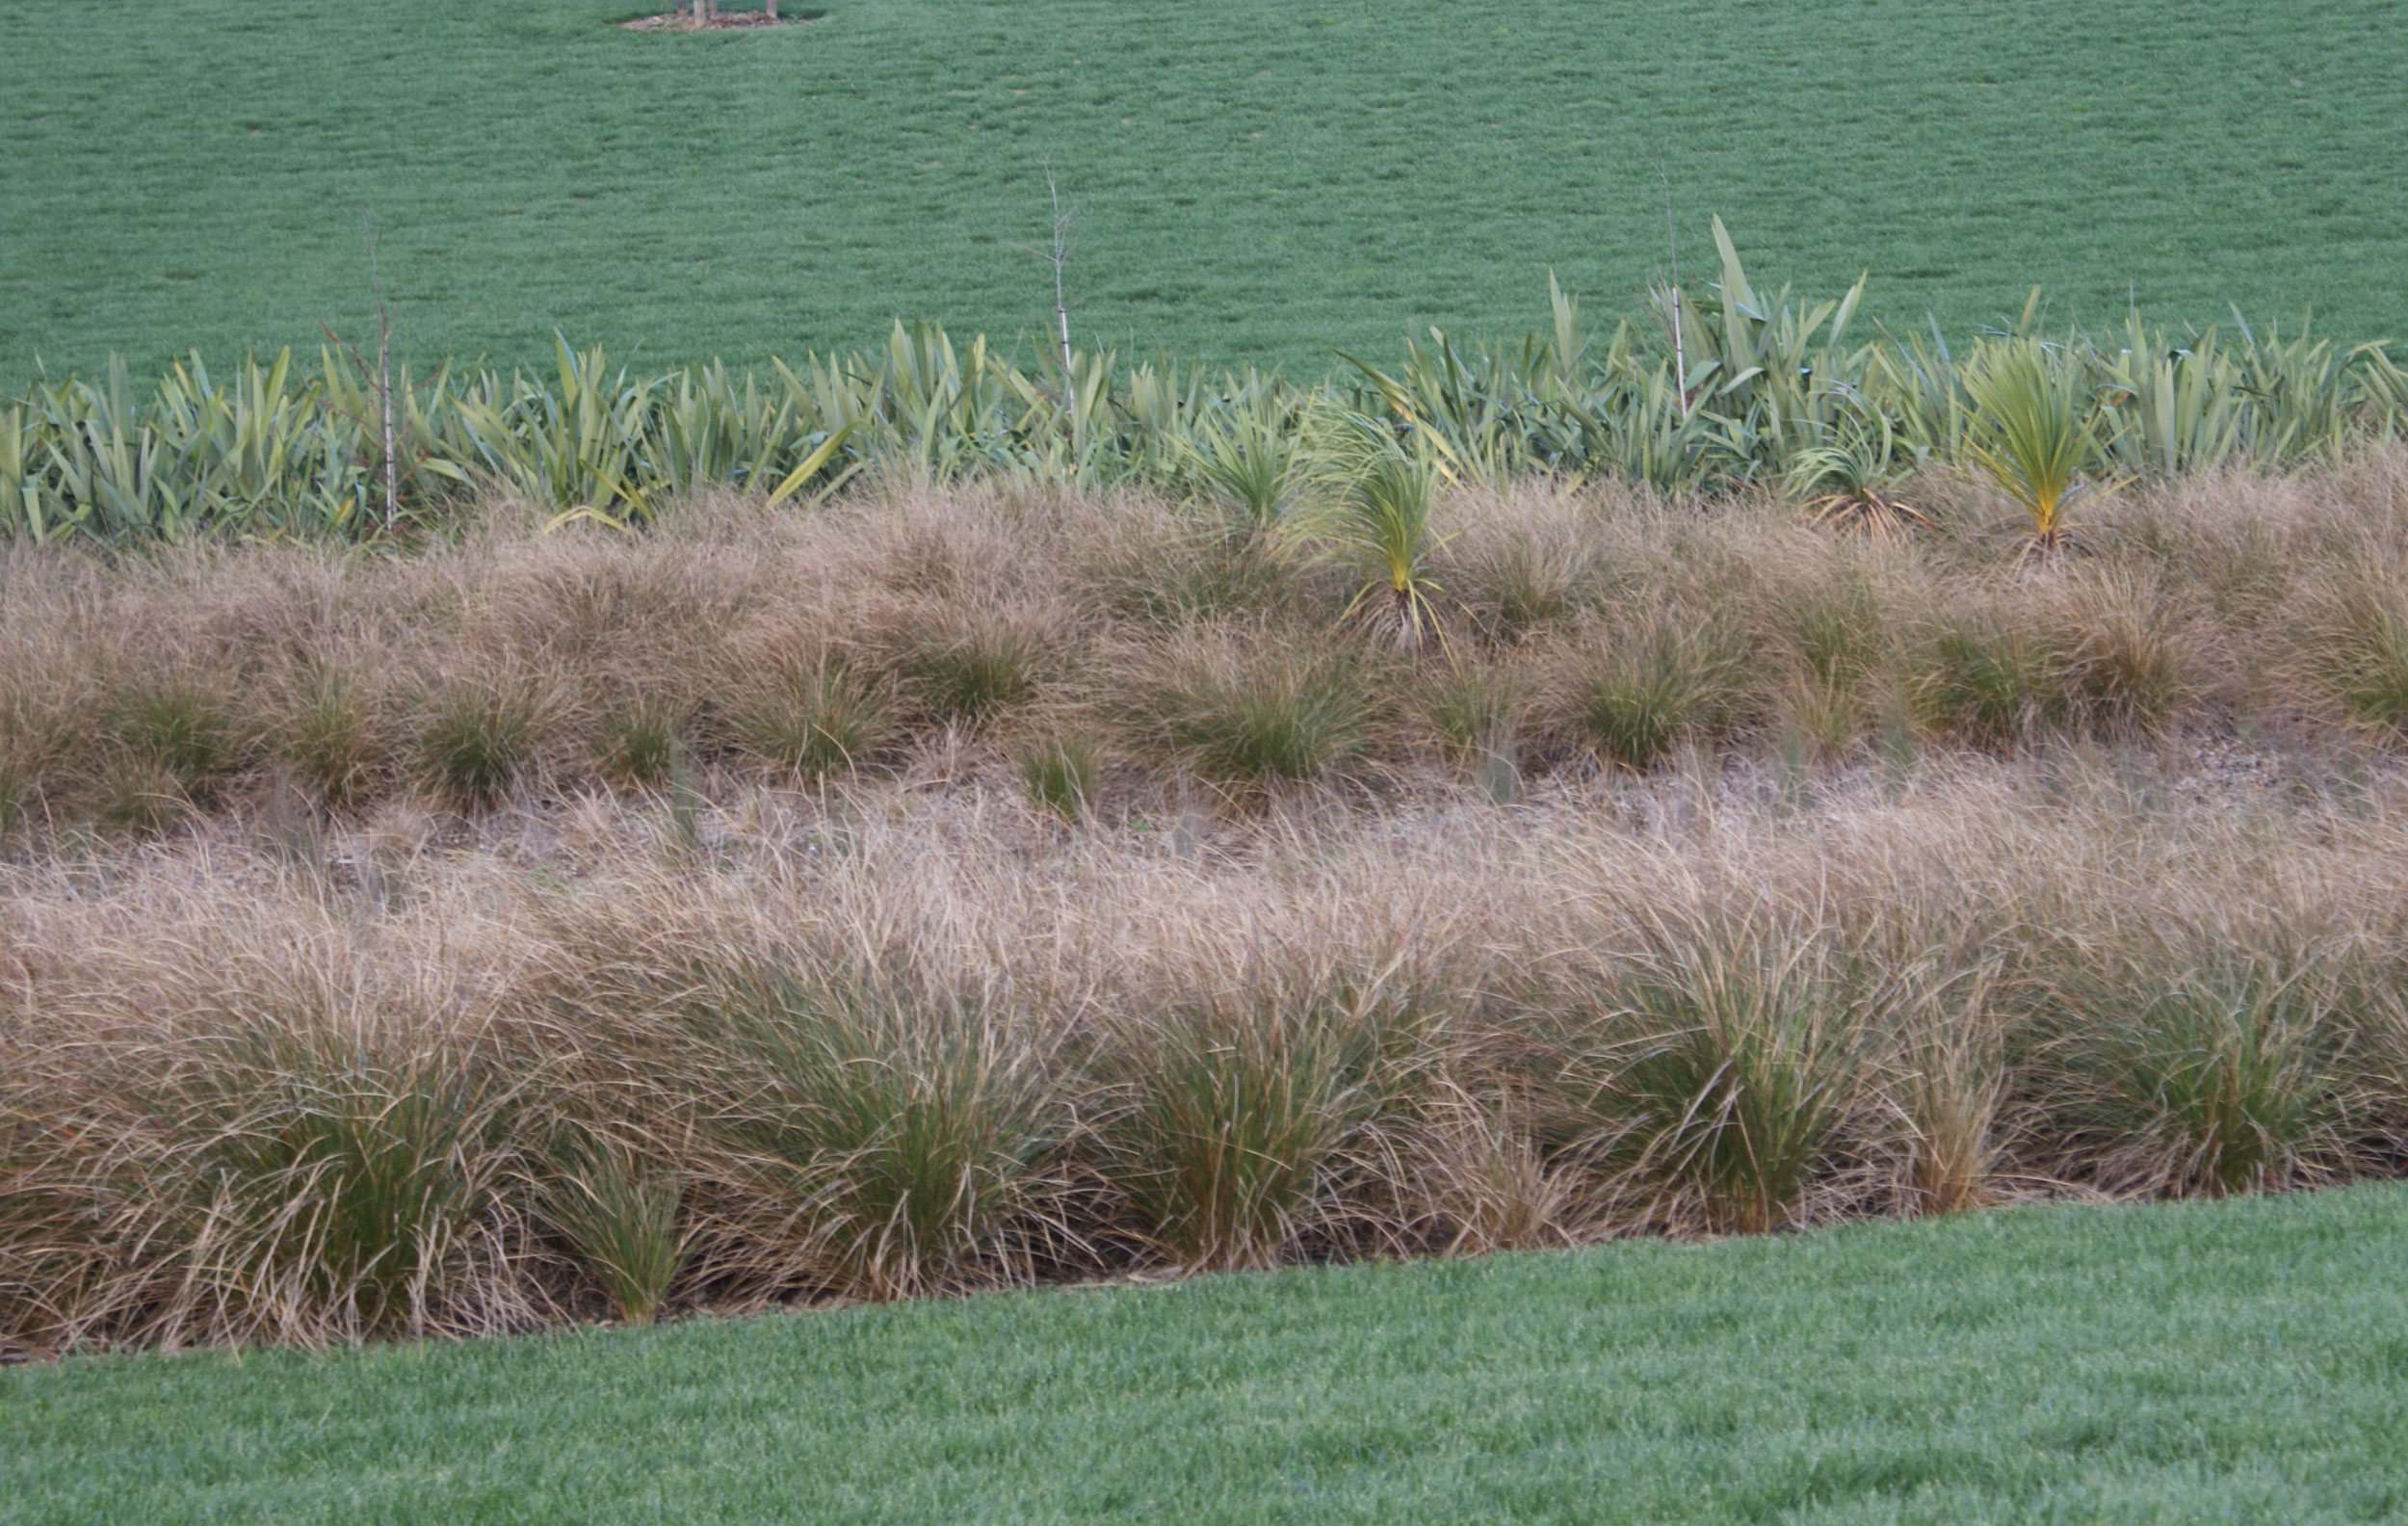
[[938, 892]]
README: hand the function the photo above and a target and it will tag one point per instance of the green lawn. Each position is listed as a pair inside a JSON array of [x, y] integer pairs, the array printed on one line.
[[1256, 179], [2246, 1362]]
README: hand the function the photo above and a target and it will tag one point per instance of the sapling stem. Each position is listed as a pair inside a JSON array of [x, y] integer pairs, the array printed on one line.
[[384, 377], [1059, 255], [1672, 240]]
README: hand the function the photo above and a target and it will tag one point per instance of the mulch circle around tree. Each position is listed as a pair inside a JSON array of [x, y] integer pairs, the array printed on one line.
[[730, 21]]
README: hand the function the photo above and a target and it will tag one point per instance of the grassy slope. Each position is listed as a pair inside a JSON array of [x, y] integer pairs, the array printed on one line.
[[2242, 1361], [1257, 180]]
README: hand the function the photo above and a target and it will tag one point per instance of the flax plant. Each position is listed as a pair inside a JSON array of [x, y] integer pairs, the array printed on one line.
[[1843, 477], [1745, 389], [1249, 458]]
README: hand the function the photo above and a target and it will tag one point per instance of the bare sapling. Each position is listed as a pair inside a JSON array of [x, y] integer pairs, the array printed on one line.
[[379, 379], [1059, 253], [1672, 242], [384, 376]]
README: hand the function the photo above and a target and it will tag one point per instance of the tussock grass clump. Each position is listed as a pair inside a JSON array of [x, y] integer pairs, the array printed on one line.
[[891, 1141], [1478, 1179], [1237, 1118], [2375, 1051], [336, 1170], [1060, 774], [2100, 654], [330, 737], [640, 746], [1197, 577], [1836, 635], [2360, 640], [1837, 629], [966, 673], [476, 741], [136, 794], [17, 791], [1478, 708], [1939, 1072], [278, 1141], [1631, 695], [621, 1217], [1519, 568], [829, 718], [1253, 709], [184, 732], [1994, 680], [1476, 705], [1741, 1064], [2138, 667], [2211, 1072]]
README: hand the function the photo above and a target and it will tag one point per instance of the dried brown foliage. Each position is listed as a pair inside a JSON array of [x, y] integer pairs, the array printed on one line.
[[1969, 884]]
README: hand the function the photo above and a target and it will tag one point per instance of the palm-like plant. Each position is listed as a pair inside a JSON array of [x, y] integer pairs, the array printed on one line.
[[1379, 517], [2034, 432]]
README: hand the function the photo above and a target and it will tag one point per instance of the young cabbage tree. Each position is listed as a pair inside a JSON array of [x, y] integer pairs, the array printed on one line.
[[2034, 432], [1383, 491]]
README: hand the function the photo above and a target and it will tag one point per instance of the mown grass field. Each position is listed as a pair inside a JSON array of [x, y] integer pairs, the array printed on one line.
[[1256, 180], [2201, 1362]]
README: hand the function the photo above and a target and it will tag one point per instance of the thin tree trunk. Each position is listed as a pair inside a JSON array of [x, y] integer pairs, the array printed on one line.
[[1061, 255]]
